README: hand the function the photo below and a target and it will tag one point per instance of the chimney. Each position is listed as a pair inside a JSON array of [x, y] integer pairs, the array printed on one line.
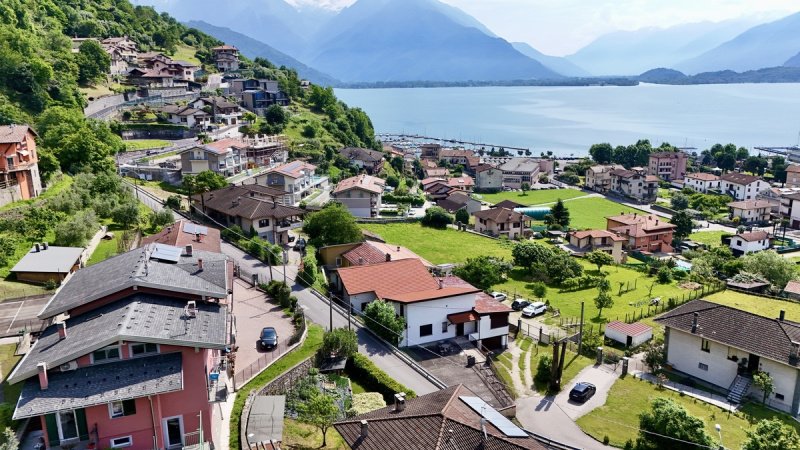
[[189, 249], [441, 283], [782, 315], [36, 246], [388, 257], [694, 323], [398, 248], [400, 401], [483, 429], [44, 245], [360, 261], [62, 330], [200, 263], [42, 368], [364, 429], [197, 236]]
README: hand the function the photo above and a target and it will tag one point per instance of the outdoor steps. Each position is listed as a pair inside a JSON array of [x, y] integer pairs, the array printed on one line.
[[738, 389]]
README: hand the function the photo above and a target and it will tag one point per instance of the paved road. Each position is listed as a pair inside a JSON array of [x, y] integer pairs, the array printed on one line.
[[21, 314]]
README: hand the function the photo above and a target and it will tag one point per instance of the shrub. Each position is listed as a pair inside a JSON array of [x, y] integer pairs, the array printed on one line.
[[664, 275], [543, 369], [232, 233], [437, 217], [360, 367], [341, 342], [173, 202]]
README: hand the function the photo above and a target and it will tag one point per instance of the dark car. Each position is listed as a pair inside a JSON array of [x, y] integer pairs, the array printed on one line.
[[519, 304], [300, 245], [582, 391], [269, 338]]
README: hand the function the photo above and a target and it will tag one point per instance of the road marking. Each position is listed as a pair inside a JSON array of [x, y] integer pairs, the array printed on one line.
[[15, 316]]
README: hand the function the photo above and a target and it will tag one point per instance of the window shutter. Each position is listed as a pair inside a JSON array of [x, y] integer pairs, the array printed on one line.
[[83, 430], [129, 406], [52, 430]]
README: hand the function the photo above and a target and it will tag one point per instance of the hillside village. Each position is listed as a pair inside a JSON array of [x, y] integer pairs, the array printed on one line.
[[257, 269]]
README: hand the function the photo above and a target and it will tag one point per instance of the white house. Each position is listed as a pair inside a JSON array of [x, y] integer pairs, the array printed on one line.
[[295, 177], [434, 309], [629, 334], [701, 182], [724, 346], [742, 186], [751, 211], [362, 195], [755, 241]]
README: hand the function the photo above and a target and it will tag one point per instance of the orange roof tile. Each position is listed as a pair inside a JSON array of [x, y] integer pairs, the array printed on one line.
[[389, 279]]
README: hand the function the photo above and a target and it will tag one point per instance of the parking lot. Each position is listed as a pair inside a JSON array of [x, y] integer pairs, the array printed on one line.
[[21, 315]]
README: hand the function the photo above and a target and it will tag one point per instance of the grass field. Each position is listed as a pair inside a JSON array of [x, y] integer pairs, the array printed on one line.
[[619, 417], [532, 197], [7, 362], [762, 306], [144, 144], [301, 436], [710, 238], [186, 53], [591, 212], [14, 289], [440, 246]]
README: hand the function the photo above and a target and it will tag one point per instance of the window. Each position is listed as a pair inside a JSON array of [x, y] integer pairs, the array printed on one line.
[[779, 396], [120, 442], [122, 409], [705, 346], [444, 327], [109, 353], [702, 366], [426, 330], [498, 320], [263, 223], [143, 349]]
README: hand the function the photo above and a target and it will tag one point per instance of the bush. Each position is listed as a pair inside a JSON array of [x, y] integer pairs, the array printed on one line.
[[664, 275], [340, 342], [462, 216], [361, 368], [173, 202], [280, 292], [437, 217], [307, 275], [232, 233], [543, 370]]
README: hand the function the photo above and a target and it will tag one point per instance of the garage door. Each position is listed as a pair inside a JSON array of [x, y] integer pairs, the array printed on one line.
[[493, 343]]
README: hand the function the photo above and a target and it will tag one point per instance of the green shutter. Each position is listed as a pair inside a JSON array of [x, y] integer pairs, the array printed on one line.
[[52, 430], [83, 430]]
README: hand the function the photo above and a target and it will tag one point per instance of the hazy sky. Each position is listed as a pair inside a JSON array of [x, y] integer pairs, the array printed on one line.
[[561, 27]]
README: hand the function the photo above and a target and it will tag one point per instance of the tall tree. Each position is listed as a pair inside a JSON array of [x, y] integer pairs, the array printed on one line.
[[482, 271], [602, 153], [683, 223], [669, 425], [560, 214], [771, 434], [332, 225], [93, 62], [603, 299], [528, 254]]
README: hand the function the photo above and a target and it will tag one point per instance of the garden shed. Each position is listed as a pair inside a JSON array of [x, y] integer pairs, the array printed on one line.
[[629, 334]]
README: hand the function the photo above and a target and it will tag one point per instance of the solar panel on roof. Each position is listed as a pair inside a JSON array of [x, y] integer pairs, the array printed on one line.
[[166, 253], [193, 228], [494, 417]]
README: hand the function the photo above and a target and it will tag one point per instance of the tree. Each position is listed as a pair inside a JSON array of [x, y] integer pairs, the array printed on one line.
[[392, 181], [765, 383], [249, 117], [320, 411], [568, 177], [93, 62], [683, 223], [397, 163], [208, 180], [482, 271], [162, 218], [679, 202], [437, 217], [462, 216], [562, 267], [669, 425], [771, 434], [601, 153], [332, 225], [9, 441], [341, 342], [755, 164], [126, 214], [599, 258], [603, 299], [664, 275], [382, 319], [525, 188], [654, 357], [527, 254], [560, 214], [173, 202], [772, 266]]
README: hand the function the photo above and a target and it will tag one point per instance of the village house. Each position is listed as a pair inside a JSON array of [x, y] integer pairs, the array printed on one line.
[[254, 209], [793, 176], [488, 178], [160, 64], [220, 109], [186, 115], [598, 178], [741, 186], [237, 86], [502, 222], [794, 209], [462, 183], [457, 200], [434, 309], [19, 165], [780, 198], [365, 253], [725, 346], [133, 363], [792, 290], [361, 195], [644, 232], [226, 157], [702, 182], [438, 190], [452, 418], [363, 158], [264, 150], [517, 171], [295, 177], [430, 152], [183, 233], [751, 211], [582, 242], [628, 334], [122, 51], [668, 166], [634, 184], [456, 156], [436, 172], [45, 263], [752, 242], [226, 57]]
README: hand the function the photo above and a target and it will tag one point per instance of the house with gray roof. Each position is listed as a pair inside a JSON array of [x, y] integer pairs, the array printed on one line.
[[45, 263]]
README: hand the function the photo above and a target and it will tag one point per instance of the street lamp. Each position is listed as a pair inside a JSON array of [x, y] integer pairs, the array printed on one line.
[[719, 431]]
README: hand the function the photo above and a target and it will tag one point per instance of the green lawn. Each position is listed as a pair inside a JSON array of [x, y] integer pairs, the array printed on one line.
[[762, 306], [7, 362], [14, 289], [532, 197], [710, 238], [186, 53], [591, 212], [619, 417], [573, 365], [145, 144], [440, 246], [107, 247], [301, 436]]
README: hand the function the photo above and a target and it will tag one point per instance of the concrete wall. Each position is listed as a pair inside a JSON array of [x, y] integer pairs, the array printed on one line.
[[10, 195]]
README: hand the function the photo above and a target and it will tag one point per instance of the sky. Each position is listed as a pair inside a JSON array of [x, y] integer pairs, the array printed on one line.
[[550, 25]]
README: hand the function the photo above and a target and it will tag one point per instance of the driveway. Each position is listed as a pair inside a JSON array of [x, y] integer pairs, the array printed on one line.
[[599, 376], [19, 315]]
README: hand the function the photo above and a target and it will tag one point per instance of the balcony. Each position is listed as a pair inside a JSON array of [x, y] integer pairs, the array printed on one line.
[[287, 225]]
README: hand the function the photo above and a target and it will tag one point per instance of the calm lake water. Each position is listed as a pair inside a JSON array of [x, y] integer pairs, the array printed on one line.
[[568, 120]]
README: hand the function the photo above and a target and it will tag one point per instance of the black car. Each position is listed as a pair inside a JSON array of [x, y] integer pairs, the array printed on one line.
[[582, 391], [269, 338], [300, 245], [519, 304]]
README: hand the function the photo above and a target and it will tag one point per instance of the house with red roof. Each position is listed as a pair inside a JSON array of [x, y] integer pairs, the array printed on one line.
[[582, 242], [643, 232], [19, 165], [502, 222], [295, 177], [629, 334], [226, 157], [744, 243], [361, 195], [635, 184]]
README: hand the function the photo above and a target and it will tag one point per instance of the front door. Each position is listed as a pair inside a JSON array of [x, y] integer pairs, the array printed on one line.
[[753, 363], [459, 329], [67, 425], [173, 432]]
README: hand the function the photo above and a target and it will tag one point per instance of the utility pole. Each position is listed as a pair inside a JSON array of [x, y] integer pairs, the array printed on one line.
[[330, 305], [285, 257], [580, 337]]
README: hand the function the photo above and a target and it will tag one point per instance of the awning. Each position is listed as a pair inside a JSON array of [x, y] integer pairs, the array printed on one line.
[[23, 152], [462, 317]]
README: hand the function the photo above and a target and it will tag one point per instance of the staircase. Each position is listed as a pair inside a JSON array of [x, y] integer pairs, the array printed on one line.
[[738, 389]]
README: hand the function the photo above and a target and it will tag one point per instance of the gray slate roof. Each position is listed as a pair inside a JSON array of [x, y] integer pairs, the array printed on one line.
[[139, 318], [102, 383], [52, 260], [136, 268]]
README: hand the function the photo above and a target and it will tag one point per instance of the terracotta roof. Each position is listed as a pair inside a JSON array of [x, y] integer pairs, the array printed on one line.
[[398, 252], [751, 204], [629, 329], [453, 281], [440, 420], [639, 225], [499, 215], [598, 234], [430, 180], [238, 201], [739, 178], [793, 168], [222, 146], [605, 168], [763, 336], [485, 304], [792, 287], [473, 161], [702, 176], [483, 168], [454, 153], [508, 204], [363, 182], [431, 294], [176, 235], [371, 252], [388, 279], [13, 134], [671, 155], [439, 187], [462, 181], [293, 168], [651, 178], [753, 236]]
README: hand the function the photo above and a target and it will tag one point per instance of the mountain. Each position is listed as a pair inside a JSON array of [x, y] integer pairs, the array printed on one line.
[[767, 75], [794, 61], [253, 48], [422, 41], [633, 52], [557, 64], [767, 45]]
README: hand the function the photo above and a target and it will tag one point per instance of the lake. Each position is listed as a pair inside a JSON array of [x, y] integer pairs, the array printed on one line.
[[568, 120]]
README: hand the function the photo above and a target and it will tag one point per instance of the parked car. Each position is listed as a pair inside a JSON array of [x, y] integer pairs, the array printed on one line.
[[534, 309], [499, 296], [300, 245], [519, 304], [269, 338], [582, 391]]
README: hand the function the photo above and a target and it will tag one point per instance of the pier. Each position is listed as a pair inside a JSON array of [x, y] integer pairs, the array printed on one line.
[[451, 141]]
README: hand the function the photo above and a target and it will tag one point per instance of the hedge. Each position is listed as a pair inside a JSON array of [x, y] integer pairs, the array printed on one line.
[[374, 379]]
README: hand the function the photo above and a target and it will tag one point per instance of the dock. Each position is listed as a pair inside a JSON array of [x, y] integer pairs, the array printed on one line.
[[452, 141]]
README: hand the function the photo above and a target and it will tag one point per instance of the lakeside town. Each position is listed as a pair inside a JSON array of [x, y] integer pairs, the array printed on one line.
[[239, 281]]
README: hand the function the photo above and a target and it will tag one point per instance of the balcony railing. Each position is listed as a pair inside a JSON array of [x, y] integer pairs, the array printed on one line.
[[289, 225]]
